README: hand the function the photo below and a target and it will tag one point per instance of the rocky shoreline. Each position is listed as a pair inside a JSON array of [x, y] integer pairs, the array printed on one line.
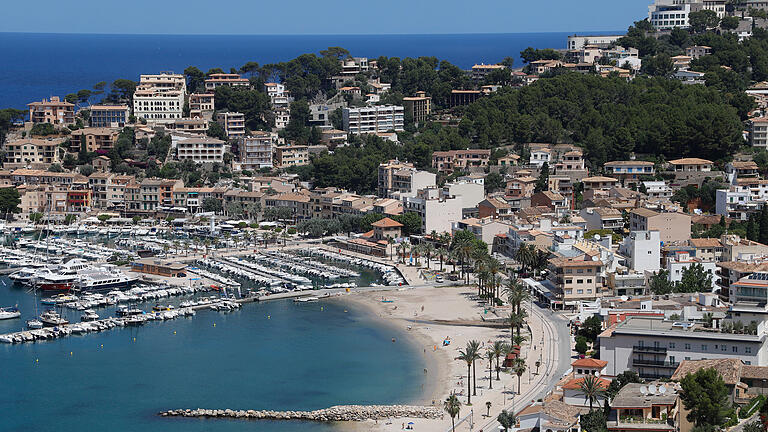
[[332, 414]]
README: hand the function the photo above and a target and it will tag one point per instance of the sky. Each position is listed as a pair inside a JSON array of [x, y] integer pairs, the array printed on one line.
[[320, 16]]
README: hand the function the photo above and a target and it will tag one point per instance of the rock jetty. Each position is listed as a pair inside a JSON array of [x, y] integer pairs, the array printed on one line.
[[332, 414]]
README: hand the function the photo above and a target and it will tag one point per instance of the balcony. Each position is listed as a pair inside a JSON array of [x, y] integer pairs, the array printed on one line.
[[655, 363], [649, 349]]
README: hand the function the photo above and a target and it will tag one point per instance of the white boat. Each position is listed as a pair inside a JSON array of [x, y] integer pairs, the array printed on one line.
[[89, 315], [305, 299], [9, 313]]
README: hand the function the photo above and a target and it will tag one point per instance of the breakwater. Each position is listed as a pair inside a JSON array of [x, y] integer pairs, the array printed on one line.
[[332, 414]]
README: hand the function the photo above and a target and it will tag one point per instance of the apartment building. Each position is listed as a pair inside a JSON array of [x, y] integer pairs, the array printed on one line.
[[352, 66], [485, 229], [256, 151], [520, 187], [299, 204], [480, 71], [668, 14], [190, 125], [282, 117], [109, 115], [654, 347], [93, 138], [758, 132], [463, 97], [403, 177], [54, 111], [419, 106], [574, 279], [198, 148], [449, 161], [679, 261], [225, 79], [201, 105], [671, 226], [599, 183], [288, 156], [233, 123], [658, 190], [602, 218], [159, 99], [32, 153], [577, 42], [630, 172], [373, 119]]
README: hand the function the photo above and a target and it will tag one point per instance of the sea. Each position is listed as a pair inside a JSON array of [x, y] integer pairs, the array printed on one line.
[[37, 66], [276, 355]]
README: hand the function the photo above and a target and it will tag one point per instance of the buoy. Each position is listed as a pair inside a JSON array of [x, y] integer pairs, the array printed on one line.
[[345, 311], [37, 360], [214, 324], [321, 308], [174, 332], [70, 353], [268, 317], [102, 345], [134, 339]]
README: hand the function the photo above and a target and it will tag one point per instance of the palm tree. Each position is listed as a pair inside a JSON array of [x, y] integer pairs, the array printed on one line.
[[465, 252], [518, 340], [442, 253], [406, 248], [498, 350], [429, 250], [524, 255], [539, 261], [490, 355], [538, 364], [516, 293], [516, 320], [468, 357], [519, 369], [493, 266], [454, 256], [474, 347], [390, 242], [452, 406], [399, 249], [592, 389]]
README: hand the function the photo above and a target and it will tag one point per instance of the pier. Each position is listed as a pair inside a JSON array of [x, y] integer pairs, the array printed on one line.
[[332, 414]]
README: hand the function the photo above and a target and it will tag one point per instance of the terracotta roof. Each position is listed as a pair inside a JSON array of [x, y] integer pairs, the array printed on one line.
[[387, 223], [754, 372], [599, 179], [644, 212], [590, 363], [744, 165], [691, 161], [705, 242], [629, 163], [575, 383], [728, 368]]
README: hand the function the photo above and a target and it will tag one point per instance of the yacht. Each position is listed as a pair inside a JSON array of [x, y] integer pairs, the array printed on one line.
[[103, 279], [9, 313]]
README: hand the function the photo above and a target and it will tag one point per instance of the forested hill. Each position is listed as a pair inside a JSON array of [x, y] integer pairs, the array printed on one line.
[[609, 117]]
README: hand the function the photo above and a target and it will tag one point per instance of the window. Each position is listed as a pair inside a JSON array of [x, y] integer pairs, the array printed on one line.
[[735, 349], [687, 346], [748, 350], [723, 348], [704, 347], [671, 345], [671, 359], [579, 281]]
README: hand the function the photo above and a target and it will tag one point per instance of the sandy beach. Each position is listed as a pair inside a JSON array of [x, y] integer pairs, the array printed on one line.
[[429, 315]]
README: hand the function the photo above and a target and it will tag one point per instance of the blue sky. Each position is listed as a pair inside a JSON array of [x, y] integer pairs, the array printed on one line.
[[320, 16]]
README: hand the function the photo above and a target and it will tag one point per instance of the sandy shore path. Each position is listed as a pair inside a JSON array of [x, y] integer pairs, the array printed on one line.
[[432, 314]]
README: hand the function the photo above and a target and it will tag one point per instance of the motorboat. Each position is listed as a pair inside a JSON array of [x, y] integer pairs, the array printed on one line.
[[89, 315], [52, 319], [9, 313], [34, 324]]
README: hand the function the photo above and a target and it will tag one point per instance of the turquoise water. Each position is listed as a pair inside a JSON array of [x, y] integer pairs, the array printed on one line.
[[276, 355]]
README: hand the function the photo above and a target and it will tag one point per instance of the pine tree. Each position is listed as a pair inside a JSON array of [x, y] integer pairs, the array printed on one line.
[[753, 229], [763, 238], [542, 183]]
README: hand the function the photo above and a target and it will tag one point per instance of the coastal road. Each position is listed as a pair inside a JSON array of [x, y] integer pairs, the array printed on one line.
[[555, 338]]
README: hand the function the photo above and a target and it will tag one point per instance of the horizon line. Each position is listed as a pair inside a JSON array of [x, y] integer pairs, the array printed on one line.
[[316, 34]]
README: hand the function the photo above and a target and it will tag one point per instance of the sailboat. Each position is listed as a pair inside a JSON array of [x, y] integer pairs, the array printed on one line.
[[35, 323]]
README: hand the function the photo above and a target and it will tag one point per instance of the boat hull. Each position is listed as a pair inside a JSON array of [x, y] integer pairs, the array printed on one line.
[[55, 286]]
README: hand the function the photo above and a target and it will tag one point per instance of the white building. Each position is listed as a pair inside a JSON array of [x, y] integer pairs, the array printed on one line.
[[541, 155], [256, 150], [159, 99], [577, 42], [439, 208], [657, 190], [681, 260], [374, 119], [233, 123], [198, 148], [668, 14], [643, 251], [654, 348]]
